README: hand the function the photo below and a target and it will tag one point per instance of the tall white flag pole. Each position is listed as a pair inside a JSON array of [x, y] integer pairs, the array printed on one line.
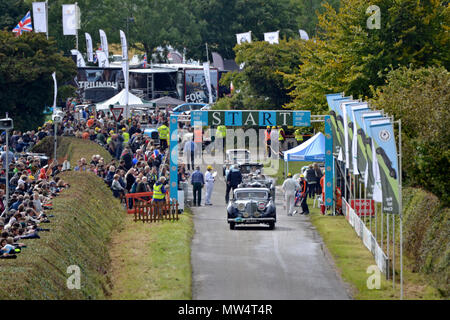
[[125, 68], [46, 14]]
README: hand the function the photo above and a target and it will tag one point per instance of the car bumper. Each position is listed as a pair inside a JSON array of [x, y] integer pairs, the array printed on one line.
[[251, 220]]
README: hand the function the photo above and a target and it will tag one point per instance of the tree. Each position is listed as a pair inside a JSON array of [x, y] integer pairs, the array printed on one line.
[[26, 65], [421, 99], [348, 57], [11, 12], [223, 19], [261, 82]]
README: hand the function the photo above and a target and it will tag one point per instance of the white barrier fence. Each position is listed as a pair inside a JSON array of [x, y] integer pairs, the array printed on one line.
[[366, 236]]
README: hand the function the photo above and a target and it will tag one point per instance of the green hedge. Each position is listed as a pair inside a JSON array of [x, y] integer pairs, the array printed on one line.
[[426, 232], [85, 217]]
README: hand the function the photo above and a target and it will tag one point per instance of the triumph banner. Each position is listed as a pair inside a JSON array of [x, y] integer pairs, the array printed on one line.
[[385, 150], [336, 137], [340, 120], [358, 147], [369, 179]]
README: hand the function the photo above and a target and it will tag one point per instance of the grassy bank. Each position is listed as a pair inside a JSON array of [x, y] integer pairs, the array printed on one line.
[[80, 230], [71, 148], [152, 260], [148, 261], [352, 260]]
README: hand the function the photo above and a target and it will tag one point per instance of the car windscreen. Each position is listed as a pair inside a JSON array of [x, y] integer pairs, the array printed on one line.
[[251, 195]]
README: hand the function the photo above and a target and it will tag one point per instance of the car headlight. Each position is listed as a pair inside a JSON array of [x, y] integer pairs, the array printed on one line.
[[245, 215], [241, 206]]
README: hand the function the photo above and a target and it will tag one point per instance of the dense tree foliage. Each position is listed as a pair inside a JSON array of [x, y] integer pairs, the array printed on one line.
[[11, 12], [421, 98], [348, 57], [26, 65], [261, 82]]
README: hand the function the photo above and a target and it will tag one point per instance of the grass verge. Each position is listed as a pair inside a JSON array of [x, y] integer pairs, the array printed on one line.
[[352, 260], [153, 260]]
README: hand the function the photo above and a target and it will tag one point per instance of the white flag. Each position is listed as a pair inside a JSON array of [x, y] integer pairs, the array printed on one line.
[[71, 19], [40, 17], [272, 37], [244, 37], [208, 81], [104, 43], [56, 91], [346, 144], [303, 34], [80, 60], [90, 52], [123, 42], [103, 61]]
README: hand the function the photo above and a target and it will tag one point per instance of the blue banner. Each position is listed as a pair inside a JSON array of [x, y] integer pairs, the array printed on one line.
[[173, 127], [386, 152], [237, 118], [328, 201]]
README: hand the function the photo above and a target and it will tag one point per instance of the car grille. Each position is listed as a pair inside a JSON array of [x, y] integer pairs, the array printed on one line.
[[251, 208]]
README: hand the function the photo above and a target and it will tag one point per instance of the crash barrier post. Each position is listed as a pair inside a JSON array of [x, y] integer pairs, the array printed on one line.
[[133, 198], [154, 211]]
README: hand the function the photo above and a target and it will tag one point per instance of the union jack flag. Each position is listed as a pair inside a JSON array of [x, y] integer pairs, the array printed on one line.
[[145, 60], [24, 25]]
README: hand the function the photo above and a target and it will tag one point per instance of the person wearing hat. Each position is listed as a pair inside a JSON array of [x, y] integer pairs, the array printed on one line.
[[303, 188], [126, 136], [281, 137], [209, 182], [290, 187]]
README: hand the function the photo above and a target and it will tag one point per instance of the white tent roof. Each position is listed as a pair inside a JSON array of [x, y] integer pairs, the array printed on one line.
[[120, 100]]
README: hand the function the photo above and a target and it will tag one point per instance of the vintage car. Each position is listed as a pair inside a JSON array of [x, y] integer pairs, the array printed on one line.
[[236, 156], [251, 206]]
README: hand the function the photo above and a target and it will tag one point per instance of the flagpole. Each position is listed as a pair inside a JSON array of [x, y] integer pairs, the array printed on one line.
[[46, 17]]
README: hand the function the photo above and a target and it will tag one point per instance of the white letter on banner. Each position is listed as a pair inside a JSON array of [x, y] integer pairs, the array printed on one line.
[[250, 118], [216, 117], [284, 114]]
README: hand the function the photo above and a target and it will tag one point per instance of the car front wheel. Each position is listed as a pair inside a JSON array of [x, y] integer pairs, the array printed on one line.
[[232, 225], [271, 225]]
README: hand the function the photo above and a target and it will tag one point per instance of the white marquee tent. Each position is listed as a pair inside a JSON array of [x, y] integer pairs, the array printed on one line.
[[119, 99]]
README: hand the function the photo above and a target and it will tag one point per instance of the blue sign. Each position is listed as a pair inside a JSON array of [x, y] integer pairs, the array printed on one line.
[[328, 162], [233, 118], [199, 117], [173, 126], [302, 119], [267, 118]]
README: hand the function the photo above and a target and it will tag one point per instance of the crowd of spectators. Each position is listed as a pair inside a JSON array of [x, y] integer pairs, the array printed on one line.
[[32, 186]]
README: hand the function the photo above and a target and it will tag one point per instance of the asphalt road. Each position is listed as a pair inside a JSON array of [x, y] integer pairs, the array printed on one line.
[[256, 263]]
